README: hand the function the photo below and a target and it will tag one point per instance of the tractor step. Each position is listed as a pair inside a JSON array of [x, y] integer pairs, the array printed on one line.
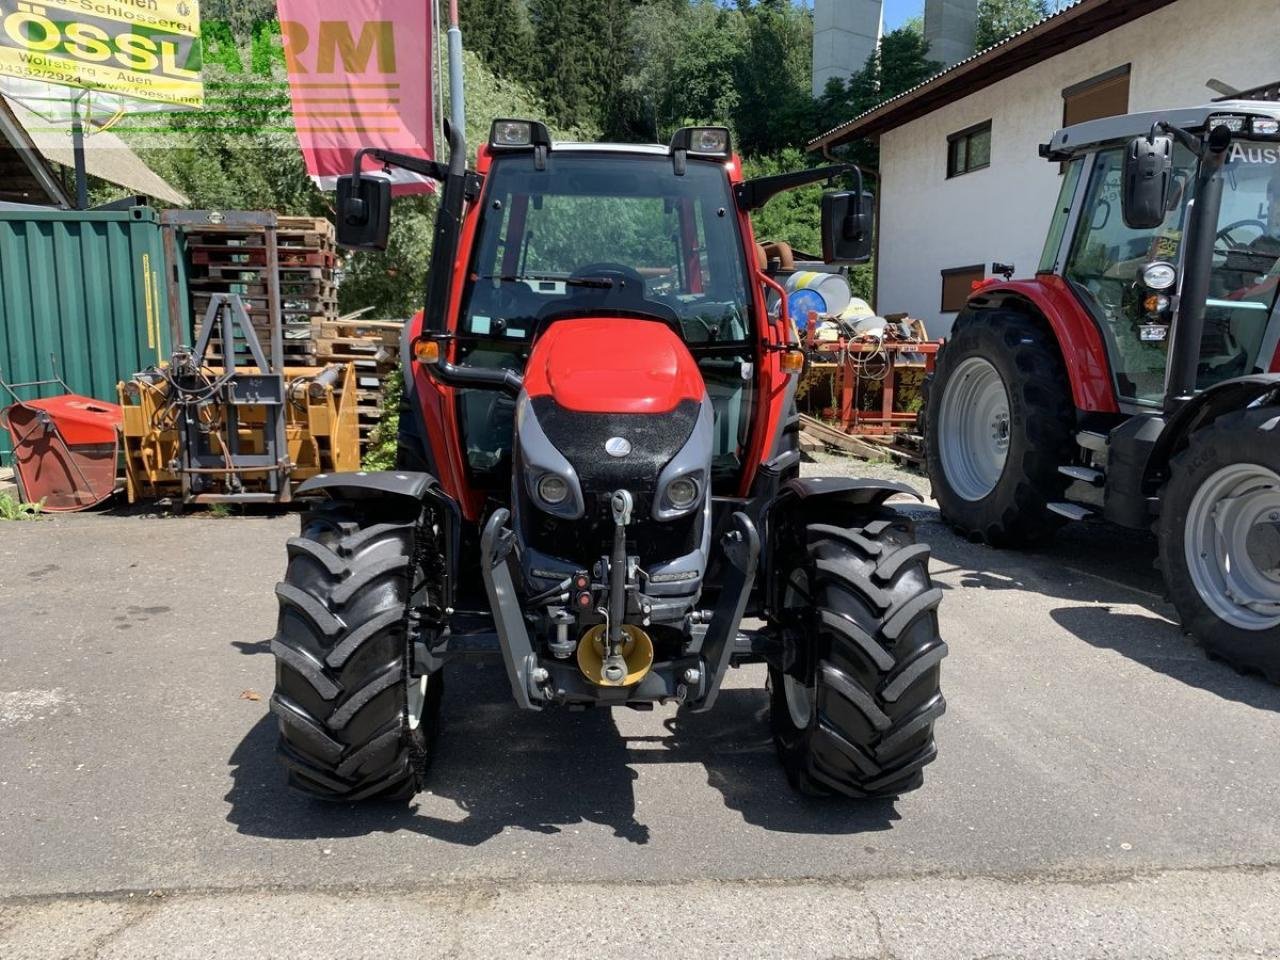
[[1072, 511], [1084, 474], [1097, 442]]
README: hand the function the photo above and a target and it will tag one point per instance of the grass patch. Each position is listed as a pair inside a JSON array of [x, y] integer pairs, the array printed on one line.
[[13, 509]]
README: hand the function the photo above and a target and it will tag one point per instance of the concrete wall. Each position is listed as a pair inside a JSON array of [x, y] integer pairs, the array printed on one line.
[[929, 223], [845, 34], [949, 27]]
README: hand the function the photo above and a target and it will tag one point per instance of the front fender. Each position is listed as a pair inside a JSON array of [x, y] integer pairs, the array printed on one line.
[[844, 490], [1203, 409], [370, 484]]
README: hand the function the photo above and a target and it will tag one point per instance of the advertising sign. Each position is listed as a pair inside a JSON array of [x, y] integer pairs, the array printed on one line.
[[145, 49]]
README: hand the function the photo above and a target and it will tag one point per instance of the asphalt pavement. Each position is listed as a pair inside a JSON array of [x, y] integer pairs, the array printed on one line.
[[1102, 788]]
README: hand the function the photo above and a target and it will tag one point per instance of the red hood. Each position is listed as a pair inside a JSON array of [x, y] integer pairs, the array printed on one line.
[[613, 365]]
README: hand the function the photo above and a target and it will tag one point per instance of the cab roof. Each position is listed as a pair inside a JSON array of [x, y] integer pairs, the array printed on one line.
[[1082, 137], [573, 146]]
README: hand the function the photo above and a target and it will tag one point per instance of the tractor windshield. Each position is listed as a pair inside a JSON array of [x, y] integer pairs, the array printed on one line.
[[1107, 258], [600, 233]]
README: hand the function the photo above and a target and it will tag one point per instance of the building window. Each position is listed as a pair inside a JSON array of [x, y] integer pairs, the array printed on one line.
[[957, 284], [1106, 95], [969, 150]]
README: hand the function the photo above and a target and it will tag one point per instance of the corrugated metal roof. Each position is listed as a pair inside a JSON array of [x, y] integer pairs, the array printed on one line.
[[1108, 13]]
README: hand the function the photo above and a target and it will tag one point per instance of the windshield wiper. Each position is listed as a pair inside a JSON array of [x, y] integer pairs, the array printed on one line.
[[600, 283]]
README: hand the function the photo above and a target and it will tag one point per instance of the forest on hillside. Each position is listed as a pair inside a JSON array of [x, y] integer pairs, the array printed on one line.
[[625, 70]]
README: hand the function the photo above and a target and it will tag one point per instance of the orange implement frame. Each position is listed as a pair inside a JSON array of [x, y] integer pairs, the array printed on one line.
[[862, 367]]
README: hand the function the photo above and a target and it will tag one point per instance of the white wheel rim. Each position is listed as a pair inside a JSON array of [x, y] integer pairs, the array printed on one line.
[[1230, 542], [799, 696], [973, 429], [417, 701]]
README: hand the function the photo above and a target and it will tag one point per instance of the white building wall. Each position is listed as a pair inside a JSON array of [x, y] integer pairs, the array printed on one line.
[[1001, 213]]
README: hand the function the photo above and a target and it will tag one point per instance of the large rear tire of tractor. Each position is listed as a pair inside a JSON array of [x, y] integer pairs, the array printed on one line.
[[853, 707], [354, 723], [1000, 423], [1219, 533]]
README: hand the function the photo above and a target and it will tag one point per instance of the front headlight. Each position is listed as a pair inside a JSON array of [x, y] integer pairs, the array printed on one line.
[[552, 489], [682, 493], [1159, 276]]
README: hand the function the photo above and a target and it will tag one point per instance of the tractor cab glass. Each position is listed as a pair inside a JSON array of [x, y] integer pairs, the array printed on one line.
[[1107, 258], [594, 234]]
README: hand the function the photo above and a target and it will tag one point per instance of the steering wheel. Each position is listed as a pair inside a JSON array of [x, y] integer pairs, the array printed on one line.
[[1224, 243], [608, 270], [625, 299]]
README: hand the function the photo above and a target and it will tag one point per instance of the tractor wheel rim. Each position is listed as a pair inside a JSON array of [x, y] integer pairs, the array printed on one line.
[[417, 700], [799, 701], [800, 695], [1231, 542], [973, 429]]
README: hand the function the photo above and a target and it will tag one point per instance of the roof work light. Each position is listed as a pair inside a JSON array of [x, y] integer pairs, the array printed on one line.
[[702, 141], [509, 134]]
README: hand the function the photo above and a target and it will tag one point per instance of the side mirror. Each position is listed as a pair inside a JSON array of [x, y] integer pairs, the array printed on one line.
[[364, 212], [1148, 180], [847, 227]]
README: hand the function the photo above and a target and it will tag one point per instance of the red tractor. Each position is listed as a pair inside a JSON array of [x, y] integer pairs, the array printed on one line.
[[1136, 376], [598, 482]]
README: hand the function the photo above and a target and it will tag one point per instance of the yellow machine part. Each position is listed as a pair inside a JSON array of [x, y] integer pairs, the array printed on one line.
[[322, 431], [637, 651]]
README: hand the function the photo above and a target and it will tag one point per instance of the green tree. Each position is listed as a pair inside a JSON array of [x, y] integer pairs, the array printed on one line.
[[1000, 19], [686, 62], [499, 33], [581, 52], [775, 108]]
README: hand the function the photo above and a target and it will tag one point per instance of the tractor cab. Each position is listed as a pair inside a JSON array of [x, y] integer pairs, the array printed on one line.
[[1131, 276], [598, 231]]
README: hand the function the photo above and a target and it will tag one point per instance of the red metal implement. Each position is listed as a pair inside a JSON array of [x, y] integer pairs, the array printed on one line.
[[65, 449]]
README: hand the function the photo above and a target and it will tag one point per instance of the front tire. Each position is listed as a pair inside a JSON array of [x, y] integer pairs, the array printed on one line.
[[1000, 418], [354, 723], [1219, 533], [854, 703]]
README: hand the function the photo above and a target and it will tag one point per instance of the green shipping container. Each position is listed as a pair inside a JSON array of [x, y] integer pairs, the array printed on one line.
[[87, 288]]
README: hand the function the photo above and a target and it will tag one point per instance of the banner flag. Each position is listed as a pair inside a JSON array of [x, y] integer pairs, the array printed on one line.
[[144, 49], [360, 76]]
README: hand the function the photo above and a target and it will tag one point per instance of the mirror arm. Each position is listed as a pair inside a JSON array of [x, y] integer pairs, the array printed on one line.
[[426, 168], [1188, 140], [753, 194]]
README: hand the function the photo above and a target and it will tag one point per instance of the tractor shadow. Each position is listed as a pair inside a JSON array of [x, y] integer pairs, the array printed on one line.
[[1089, 579], [498, 768]]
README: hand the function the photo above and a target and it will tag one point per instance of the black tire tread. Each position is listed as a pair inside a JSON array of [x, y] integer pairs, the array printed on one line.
[[1232, 437], [1016, 512], [874, 627], [340, 659]]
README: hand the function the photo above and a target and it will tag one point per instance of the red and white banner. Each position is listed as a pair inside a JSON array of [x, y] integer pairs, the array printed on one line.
[[360, 75]]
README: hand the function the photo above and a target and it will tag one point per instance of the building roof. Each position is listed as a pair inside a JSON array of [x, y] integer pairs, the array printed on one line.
[[1075, 24], [35, 141]]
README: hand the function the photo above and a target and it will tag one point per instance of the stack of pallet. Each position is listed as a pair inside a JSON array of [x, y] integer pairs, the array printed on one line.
[[226, 259], [373, 347]]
